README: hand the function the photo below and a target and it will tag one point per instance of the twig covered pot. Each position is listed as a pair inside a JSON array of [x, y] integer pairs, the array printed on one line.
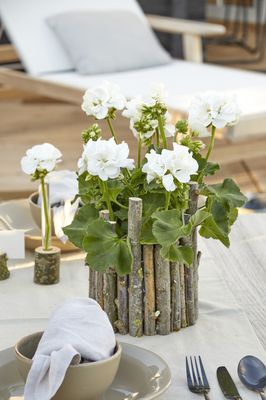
[[142, 252], [158, 296]]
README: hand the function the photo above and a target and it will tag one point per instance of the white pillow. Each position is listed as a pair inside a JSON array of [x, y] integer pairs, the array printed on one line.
[[107, 41]]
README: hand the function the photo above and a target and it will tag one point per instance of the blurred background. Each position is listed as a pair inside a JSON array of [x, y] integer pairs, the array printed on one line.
[[27, 119]]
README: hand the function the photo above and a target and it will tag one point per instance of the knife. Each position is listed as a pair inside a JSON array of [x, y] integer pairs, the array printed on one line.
[[227, 384]]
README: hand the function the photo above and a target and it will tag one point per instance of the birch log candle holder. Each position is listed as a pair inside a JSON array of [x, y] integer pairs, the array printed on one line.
[[4, 271], [47, 257], [158, 296]]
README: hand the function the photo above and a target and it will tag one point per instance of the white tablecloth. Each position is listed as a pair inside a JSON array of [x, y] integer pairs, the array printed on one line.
[[223, 334]]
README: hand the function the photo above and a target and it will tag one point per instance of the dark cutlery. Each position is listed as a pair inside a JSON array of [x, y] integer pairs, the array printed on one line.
[[227, 384], [196, 377]]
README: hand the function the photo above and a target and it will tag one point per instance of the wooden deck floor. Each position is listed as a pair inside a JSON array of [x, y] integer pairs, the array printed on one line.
[[24, 124]]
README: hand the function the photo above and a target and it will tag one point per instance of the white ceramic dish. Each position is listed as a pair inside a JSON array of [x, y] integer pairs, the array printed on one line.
[[15, 214], [142, 374]]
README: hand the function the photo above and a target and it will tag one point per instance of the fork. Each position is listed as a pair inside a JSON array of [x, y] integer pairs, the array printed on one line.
[[196, 377]]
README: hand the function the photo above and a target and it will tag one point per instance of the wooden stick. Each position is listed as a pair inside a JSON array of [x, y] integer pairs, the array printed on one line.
[[110, 295], [149, 290], [183, 296], [4, 271], [163, 297], [108, 284], [92, 283], [189, 281], [136, 276], [193, 198], [193, 284], [175, 296], [196, 280], [99, 288], [122, 304]]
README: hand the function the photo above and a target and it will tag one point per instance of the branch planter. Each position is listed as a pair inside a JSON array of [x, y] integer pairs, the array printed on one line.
[[158, 297]]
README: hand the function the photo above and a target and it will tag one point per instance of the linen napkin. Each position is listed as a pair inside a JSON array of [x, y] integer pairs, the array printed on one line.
[[63, 187], [78, 329]]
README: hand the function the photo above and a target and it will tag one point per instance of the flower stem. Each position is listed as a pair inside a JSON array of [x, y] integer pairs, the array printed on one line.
[[107, 200], [210, 148], [162, 131], [120, 205], [46, 215], [139, 152], [111, 128], [157, 138], [167, 200], [211, 143]]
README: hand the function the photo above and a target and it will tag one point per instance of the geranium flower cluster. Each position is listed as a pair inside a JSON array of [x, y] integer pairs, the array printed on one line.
[[105, 159], [214, 109], [145, 112], [170, 166], [41, 158], [100, 101]]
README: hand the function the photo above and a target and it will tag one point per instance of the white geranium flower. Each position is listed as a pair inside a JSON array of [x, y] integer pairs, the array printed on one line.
[[98, 100], [177, 164], [105, 158], [180, 162], [133, 108], [154, 168], [39, 158], [213, 108]]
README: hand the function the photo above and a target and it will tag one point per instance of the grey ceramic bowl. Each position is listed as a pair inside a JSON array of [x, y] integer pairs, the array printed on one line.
[[82, 382]]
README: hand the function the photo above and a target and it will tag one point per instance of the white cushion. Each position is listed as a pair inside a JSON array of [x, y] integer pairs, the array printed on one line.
[[38, 47], [107, 41]]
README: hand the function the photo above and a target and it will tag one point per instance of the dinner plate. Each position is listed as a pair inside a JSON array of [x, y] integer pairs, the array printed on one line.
[[15, 214], [142, 374]]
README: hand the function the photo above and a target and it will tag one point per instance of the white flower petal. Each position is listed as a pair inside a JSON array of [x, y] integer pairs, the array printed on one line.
[[168, 183]]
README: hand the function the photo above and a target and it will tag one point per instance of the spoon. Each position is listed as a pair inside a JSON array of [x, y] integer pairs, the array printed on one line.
[[252, 373]]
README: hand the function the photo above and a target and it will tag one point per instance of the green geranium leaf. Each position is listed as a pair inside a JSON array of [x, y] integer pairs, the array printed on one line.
[[151, 203], [122, 214], [197, 218], [211, 230], [106, 249], [77, 229], [168, 226], [180, 254], [226, 191], [115, 188], [146, 236]]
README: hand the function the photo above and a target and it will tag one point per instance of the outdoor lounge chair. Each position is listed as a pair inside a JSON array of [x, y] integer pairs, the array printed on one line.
[[50, 73]]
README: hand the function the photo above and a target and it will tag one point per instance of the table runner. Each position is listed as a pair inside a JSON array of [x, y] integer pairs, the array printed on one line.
[[222, 335]]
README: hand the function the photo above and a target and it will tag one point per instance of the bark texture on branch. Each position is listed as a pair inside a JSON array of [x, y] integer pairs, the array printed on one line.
[[110, 294], [163, 296], [122, 304], [4, 271], [136, 276], [149, 290], [92, 283], [175, 296], [47, 266]]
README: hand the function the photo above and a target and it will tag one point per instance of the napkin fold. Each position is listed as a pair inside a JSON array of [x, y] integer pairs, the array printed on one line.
[[63, 187], [78, 329]]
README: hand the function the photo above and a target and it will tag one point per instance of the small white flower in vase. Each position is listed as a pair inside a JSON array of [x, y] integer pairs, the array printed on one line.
[[38, 162]]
